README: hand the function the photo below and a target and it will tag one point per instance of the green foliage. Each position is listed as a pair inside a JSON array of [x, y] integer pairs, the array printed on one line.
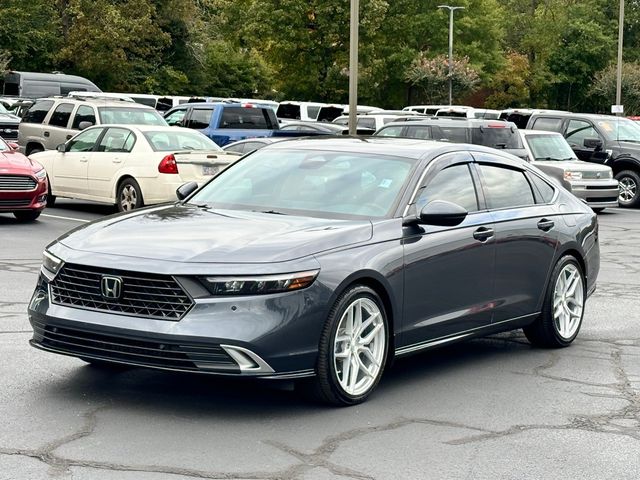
[[603, 89], [509, 84], [431, 75]]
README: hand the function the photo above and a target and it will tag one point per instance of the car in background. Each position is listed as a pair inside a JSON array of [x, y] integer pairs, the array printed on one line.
[[322, 128], [602, 139], [489, 133], [428, 109], [8, 125], [373, 121], [242, 147], [322, 260], [305, 111], [38, 85], [131, 166], [52, 121], [551, 153], [456, 112], [23, 184], [521, 116]]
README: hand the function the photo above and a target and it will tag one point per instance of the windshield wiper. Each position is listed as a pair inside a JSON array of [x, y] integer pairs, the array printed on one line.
[[628, 140]]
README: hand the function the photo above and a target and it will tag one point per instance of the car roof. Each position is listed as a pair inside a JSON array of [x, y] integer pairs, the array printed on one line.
[[148, 128], [539, 132], [593, 116], [459, 122], [100, 102]]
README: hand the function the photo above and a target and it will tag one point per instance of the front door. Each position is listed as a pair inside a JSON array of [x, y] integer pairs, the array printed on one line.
[[448, 270], [577, 132], [70, 168]]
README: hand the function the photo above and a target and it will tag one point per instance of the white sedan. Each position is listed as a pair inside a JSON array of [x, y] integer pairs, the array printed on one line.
[[131, 166]]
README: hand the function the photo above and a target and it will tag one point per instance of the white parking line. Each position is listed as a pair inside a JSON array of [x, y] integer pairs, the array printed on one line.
[[66, 218]]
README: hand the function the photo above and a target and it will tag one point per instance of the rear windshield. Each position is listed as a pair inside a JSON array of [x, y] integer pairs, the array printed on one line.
[[130, 116], [288, 111], [164, 141], [496, 137], [245, 118]]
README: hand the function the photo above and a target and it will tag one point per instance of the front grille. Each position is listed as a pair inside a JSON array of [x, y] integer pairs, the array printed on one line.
[[9, 132], [172, 355], [17, 182], [15, 203], [142, 294], [596, 176]]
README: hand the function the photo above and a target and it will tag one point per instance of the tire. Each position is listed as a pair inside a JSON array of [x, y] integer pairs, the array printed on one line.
[[26, 215], [51, 199], [629, 195], [34, 150], [598, 210], [129, 195], [551, 330], [332, 383]]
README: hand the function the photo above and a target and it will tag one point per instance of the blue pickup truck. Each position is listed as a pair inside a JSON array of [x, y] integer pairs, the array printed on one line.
[[226, 122]]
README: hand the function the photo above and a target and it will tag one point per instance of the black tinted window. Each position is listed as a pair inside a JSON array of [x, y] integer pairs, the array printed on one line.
[[505, 188], [84, 114], [38, 111], [60, 116], [245, 118], [549, 124], [544, 191], [453, 184], [200, 118], [498, 136], [449, 134]]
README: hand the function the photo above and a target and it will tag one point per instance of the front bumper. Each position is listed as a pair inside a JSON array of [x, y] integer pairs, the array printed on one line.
[[597, 193], [36, 199], [267, 336]]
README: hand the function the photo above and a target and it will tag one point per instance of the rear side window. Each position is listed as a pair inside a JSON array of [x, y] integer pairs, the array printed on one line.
[[546, 123], [60, 116], [84, 114], [245, 118], [367, 123], [419, 132], [394, 131], [38, 111], [544, 191], [450, 134], [200, 118], [496, 137], [117, 140], [505, 187], [289, 111], [312, 111]]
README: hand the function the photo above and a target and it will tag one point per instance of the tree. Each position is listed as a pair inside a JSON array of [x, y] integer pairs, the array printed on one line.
[[509, 85], [603, 88]]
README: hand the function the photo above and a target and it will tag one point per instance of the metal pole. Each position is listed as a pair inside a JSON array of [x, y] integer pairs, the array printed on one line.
[[619, 70], [450, 55], [353, 67]]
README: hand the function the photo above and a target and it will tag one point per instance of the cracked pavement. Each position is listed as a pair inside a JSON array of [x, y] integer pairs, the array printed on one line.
[[492, 408]]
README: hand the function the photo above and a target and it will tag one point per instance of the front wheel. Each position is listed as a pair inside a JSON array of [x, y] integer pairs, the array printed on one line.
[[561, 317], [26, 215], [628, 188], [129, 195], [353, 348]]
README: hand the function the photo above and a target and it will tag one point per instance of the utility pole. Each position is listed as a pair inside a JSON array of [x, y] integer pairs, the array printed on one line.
[[619, 70], [353, 66], [451, 10]]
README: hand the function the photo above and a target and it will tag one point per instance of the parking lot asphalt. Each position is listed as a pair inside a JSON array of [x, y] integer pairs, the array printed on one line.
[[492, 408]]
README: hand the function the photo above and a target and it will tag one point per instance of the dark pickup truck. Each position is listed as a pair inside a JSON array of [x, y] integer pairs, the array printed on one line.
[[229, 122], [604, 139]]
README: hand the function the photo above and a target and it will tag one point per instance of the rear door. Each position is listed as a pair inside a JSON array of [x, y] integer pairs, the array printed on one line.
[[111, 155], [58, 129], [70, 168], [525, 234]]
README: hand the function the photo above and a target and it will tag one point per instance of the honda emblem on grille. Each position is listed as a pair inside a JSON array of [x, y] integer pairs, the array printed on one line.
[[111, 287]]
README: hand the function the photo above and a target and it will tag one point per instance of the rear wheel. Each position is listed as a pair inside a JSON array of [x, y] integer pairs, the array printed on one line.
[[26, 215], [129, 195], [629, 188], [563, 309], [353, 348]]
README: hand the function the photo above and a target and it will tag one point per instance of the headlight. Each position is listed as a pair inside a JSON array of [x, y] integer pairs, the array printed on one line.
[[51, 264], [41, 174], [569, 175], [259, 284]]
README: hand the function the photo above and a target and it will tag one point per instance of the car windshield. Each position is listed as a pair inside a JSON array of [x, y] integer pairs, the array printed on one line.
[[550, 147], [2, 109], [130, 116], [3, 146], [621, 129], [164, 141], [310, 183]]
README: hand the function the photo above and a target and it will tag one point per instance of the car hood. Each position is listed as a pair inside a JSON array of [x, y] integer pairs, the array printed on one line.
[[187, 233], [576, 165], [15, 162]]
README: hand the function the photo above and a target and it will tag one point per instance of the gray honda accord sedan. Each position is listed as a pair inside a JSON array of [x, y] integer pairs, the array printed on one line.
[[321, 260]]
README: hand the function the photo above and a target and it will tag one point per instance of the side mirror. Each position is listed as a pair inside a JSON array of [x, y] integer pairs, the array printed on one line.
[[442, 213], [186, 189], [62, 148], [12, 145], [83, 125], [592, 143]]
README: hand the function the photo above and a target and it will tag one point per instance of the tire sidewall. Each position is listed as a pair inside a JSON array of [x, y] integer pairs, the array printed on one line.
[[121, 186], [359, 291], [548, 308]]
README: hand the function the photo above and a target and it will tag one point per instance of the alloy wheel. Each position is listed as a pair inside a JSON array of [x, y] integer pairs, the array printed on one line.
[[568, 301], [359, 346], [128, 198], [627, 189]]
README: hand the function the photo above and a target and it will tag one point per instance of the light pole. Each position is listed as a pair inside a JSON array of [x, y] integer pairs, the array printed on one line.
[[353, 66], [619, 69], [451, 10]]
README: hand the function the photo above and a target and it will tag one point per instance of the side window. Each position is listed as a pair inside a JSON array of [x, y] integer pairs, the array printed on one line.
[[548, 124], [453, 184], [85, 141], [84, 114], [251, 146], [395, 131], [313, 111], [117, 140], [200, 118], [38, 111], [544, 191], [419, 132], [246, 118], [175, 117], [578, 131], [367, 123], [450, 134], [60, 116], [505, 187], [235, 148]]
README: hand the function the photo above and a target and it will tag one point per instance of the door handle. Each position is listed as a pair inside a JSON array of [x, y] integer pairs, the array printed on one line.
[[545, 225], [116, 160], [483, 233], [84, 159], [46, 134]]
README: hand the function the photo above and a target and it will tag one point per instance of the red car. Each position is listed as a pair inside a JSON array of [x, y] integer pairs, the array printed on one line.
[[23, 184]]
